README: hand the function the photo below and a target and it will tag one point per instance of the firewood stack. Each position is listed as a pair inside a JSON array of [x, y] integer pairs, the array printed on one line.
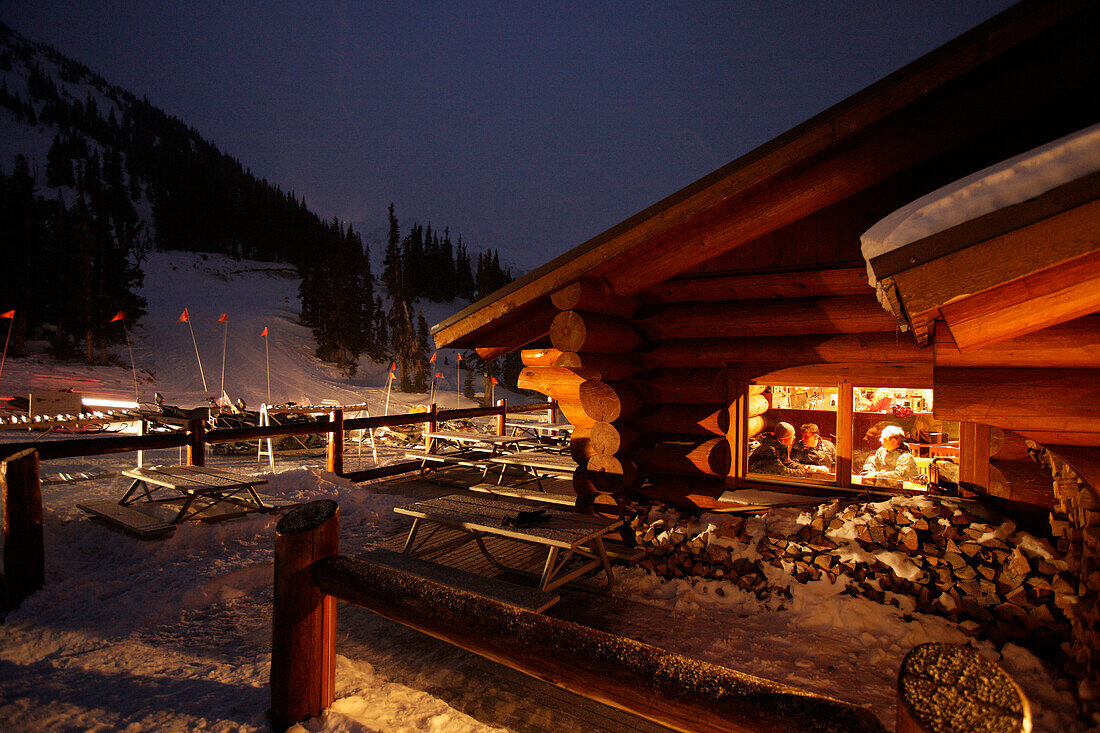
[[1076, 525], [586, 373], [995, 581]]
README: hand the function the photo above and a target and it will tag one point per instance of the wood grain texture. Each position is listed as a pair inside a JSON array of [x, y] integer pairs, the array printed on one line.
[[756, 318]]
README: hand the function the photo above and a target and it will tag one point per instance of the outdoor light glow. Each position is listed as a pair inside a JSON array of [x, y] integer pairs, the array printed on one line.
[[120, 404]]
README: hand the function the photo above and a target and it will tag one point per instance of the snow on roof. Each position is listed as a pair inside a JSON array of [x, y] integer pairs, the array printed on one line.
[[999, 186]]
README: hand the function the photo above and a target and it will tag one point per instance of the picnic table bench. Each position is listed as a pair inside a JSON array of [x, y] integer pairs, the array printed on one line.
[[149, 505], [565, 534], [535, 464]]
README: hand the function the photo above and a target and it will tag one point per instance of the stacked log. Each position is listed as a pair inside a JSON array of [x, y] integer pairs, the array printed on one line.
[[1076, 525], [587, 372], [996, 581]]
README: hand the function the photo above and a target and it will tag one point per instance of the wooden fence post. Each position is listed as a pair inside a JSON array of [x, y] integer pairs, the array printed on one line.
[[953, 687], [551, 411], [503, 405], [196, 446], [336, 443], [303, 623], [24, 553]]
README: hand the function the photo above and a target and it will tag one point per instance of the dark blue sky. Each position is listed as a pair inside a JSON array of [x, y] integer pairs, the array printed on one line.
[[529, 127]]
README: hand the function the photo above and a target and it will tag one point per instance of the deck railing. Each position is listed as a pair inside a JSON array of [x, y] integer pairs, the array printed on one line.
[[665, 687], [21, 484]]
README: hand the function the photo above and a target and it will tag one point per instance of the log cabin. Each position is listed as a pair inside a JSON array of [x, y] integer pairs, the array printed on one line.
[[673, 340]]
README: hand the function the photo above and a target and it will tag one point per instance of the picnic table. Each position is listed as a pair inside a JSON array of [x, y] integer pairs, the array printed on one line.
[[161, 497], [473, 440], [540, 430], [473, 449], [564, 534]]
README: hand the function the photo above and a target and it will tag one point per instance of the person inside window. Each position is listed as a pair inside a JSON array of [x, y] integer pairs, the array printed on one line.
[[773, 455], [882, 400], [893, 463], [813, 450]]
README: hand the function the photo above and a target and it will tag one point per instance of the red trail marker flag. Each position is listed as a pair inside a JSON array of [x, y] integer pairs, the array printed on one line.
[[264, 332], [10, 315], [184, 317], [432, 360], [121, 316], [224, 318]]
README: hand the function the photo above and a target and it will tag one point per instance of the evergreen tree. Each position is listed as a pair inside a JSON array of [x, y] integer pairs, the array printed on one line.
[[423, 368], [392, 265]]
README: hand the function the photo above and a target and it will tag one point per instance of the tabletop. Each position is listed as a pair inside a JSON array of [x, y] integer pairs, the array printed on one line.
[[461, 436], [192, 477], [484, 514]]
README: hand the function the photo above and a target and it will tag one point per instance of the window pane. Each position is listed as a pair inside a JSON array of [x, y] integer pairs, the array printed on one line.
[[795, 438], [895, 439]]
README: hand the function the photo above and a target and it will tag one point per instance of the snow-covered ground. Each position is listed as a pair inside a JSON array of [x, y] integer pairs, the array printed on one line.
[[174, 634]]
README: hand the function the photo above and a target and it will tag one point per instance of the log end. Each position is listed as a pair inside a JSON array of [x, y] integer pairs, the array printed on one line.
[[950, 688], [307, 517]]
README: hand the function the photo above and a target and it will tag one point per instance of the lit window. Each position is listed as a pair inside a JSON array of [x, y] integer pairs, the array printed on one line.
[[795, 437]]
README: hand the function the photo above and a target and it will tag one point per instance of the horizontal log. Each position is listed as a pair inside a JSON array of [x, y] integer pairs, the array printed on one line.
[[804, 284], [1005, 286], [682, 386], [500, 337], [691, 492], [685, 457], [1006, 445], [664, 687], [790, 350], [577, 331], [691, 420], [917, 376], [52, 449], [1021, 481], [611, 437], [561, 384], [591, 296], [1066, 400], [1074, 344], [797, 316], [540, 357], [610, 367], [686, 419], [1020, 307]]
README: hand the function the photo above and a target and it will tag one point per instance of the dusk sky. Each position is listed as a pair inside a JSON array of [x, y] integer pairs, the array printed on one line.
[[528, 127]]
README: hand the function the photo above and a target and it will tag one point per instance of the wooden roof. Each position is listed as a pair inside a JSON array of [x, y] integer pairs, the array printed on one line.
[[1014, 63]]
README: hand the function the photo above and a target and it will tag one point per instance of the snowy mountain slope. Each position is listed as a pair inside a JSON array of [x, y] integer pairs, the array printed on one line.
[[255, 295]]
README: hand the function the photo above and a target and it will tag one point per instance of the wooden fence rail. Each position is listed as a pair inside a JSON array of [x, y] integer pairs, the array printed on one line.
[[24, 556], [196, 437], [667, 688]]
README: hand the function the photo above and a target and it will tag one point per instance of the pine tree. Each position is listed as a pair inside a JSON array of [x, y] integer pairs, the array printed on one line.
[[423, 368], [392, 264]]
